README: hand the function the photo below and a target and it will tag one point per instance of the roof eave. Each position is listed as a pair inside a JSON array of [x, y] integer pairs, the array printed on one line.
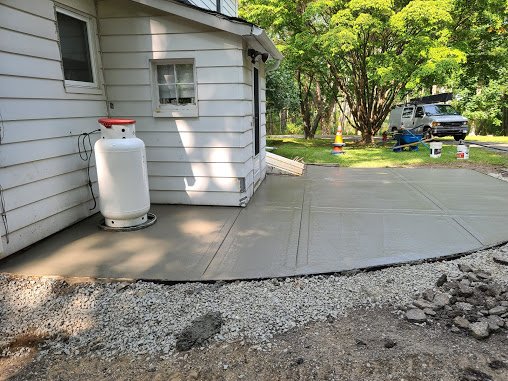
[[251, 33], [267, 43]]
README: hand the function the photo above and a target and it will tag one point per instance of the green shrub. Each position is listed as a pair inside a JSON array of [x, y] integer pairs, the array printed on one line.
[[294, 129]]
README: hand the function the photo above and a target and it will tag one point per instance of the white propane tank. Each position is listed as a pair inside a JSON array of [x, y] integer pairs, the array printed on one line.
[[462, 151], [122, 175]]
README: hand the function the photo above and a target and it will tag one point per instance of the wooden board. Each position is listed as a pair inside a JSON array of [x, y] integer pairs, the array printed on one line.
[[284, 165]]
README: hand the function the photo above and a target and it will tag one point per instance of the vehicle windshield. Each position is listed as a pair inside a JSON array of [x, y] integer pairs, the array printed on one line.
[[440, 110]]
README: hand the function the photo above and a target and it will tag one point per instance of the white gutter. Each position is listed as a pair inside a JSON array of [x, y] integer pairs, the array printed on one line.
[[255, 36], [268, 45]]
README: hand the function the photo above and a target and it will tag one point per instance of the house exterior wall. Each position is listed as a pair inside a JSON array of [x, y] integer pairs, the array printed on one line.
[[191, 160], [201, 160], [227, 7], [43, 179]]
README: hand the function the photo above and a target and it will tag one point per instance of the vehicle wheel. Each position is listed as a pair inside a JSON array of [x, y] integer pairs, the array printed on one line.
[[427, 133], [459, 137]]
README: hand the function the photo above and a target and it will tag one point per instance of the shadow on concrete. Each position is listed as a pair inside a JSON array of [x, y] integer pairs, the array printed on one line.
[[330, 220]]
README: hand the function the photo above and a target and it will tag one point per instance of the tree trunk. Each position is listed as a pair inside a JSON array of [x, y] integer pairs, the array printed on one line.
[[326, 127], [367, 137], [269, 123], [283, 119], [306, 119], [305, 106], [505, 119]]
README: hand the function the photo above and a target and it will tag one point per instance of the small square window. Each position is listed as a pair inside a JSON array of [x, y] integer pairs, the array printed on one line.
[[174, 88], [76, 48]]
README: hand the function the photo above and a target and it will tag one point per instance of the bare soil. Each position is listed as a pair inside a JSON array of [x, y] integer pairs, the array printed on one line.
[[365, 345]]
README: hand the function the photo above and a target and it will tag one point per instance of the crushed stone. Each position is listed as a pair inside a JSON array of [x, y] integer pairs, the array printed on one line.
[[145, 319]]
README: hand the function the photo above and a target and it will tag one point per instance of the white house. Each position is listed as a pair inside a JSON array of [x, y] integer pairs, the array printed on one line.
[[191, 77]]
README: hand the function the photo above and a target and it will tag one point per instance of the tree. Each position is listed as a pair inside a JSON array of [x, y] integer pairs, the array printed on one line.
[[486, 107], [378, 50], [480, 29], [284, 20], [282, 89], [281, 93], [370, 51]]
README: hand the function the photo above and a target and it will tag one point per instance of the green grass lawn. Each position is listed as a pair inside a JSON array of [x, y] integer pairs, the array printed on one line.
[[318, 151]]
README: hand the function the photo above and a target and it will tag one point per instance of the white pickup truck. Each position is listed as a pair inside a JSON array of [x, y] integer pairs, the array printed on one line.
[[435, 119]]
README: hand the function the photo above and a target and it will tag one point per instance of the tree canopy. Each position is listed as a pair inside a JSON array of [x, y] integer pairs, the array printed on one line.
[[481, 32], [372, 53]]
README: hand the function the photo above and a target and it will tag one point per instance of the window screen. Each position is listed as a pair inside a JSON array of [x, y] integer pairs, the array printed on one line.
[[75, 48], [175, 83]]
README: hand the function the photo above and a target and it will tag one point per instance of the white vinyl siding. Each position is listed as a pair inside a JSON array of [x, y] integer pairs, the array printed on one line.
[[191, 160], [199, 160], [44, 180]]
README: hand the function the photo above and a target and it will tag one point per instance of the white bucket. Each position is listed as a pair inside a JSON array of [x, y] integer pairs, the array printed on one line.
[[462, 152], [435, 149]]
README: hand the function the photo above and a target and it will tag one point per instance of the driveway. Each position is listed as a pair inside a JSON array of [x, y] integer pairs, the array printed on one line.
[[329, 220]]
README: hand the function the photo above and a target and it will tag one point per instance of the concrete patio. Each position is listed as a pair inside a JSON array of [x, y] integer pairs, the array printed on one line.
[[329, 220]]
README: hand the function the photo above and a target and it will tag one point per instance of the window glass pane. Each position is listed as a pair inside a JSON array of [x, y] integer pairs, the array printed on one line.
[[185, 73], [175, 84], [185, 94], [165, 74], [408, 111], [167, 94], [75, 49]]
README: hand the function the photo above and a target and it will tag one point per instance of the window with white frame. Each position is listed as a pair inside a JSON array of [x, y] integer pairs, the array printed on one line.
[[174, 88], [75, 32]]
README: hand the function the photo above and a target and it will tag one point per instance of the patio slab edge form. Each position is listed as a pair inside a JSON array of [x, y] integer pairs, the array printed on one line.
[[330, 220]]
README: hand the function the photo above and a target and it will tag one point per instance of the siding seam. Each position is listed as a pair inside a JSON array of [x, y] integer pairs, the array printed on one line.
[[28, 34], [28, 13]]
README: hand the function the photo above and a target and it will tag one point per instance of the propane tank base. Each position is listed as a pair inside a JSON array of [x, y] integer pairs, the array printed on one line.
[[128, 225], [125, 223]]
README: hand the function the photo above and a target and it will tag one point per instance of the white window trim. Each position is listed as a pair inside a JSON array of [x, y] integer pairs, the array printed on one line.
[[80, 87], [172, 111]]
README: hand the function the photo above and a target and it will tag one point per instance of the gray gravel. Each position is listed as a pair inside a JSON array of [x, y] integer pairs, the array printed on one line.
[[144, 318]]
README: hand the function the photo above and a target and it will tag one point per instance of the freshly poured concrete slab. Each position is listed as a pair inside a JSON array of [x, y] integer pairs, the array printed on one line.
[[487, 229], [178, 247], [385, 238], [279, 191], [329, 220], [360, 193], [460, 190], [262, 243]]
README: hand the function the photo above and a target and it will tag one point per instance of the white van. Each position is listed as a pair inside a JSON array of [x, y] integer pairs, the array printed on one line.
[[434, 119]]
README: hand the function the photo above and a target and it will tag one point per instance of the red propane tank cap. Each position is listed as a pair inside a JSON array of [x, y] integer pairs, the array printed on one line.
[[108, 122]]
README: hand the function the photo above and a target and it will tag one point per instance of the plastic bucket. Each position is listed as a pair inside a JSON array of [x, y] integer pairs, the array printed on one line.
[[462, 152], [435, 149]]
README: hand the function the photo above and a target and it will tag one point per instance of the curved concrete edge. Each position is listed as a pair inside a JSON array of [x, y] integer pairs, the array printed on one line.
[[349, 272]]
